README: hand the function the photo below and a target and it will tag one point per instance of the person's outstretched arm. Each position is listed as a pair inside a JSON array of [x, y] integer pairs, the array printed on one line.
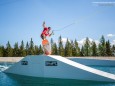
[[52, 33], [44, 24]]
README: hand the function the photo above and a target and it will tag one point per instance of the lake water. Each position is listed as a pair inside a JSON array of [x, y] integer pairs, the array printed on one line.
[[17, 80]]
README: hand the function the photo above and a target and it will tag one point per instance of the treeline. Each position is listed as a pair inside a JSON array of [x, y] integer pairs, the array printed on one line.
[[20, 50], [70, 48]]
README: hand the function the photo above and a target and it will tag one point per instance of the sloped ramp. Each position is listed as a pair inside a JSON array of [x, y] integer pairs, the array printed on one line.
[[86, 68], [53, 66]]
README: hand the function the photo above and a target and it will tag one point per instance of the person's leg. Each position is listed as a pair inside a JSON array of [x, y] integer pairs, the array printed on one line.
[[44, 37]]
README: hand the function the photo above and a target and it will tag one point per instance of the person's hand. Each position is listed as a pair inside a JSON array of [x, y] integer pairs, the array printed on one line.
[[44, 22], [51, 33]]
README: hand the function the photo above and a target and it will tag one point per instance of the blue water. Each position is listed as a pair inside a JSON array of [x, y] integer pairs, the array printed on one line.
[[18, 80]]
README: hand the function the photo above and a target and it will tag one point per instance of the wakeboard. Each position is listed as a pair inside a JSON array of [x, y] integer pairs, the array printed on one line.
[[46, 47]]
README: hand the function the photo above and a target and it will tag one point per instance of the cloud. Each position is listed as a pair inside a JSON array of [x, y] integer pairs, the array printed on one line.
[[64, 40], [104, 3], [113, 42], [82, 41], [110, 35]]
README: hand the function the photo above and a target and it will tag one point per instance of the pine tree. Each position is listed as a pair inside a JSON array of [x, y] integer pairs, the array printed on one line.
[[22, 49], [60, 48], [82, 51], [27, 49], [94, 49], [36, 50], [74, 52], [108, 49], [16, 50], [40, 50], [9, 50], [77, 48], [102, 47], [1, 51], [52, 46], [4, 50], [55, 50], [113, 50], [68, 49], [87, 47], [31, 48]]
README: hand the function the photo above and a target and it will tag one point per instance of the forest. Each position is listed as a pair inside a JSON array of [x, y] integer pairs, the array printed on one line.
[[68, 49]]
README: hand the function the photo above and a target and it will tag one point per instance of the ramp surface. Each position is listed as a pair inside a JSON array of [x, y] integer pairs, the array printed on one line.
[[83, 67]]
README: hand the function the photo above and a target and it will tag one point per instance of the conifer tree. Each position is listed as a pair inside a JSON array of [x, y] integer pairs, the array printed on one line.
[[108, 49], [113, 50], [54, 48], [40, 50], [77, 48], [99, 49], [16, 50], [27, 49], [74, 52], [68, 49], [36, 50], [55, 51], [22, 49], [87, 47], [52, 45], [9, 50], [31, 48], [60, 47], [52, 42], [102, 47], [82, 51], [1, 51], [94, 49]]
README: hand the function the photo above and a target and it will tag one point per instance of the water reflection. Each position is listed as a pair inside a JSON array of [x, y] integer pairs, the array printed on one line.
[[35, 81]]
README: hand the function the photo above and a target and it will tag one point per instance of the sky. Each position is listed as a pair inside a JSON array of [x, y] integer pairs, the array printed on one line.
[[22, 20]]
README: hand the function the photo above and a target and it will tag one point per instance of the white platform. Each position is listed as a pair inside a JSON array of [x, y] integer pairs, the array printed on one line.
[[57, 67]]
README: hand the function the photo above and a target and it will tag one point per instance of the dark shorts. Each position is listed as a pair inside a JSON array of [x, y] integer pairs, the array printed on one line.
[[43, 36]]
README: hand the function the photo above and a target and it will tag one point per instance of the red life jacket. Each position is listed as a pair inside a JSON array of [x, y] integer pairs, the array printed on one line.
[[45, 32]]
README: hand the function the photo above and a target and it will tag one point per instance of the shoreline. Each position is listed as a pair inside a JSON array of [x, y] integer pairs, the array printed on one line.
[[10, 59], [16, 59]]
